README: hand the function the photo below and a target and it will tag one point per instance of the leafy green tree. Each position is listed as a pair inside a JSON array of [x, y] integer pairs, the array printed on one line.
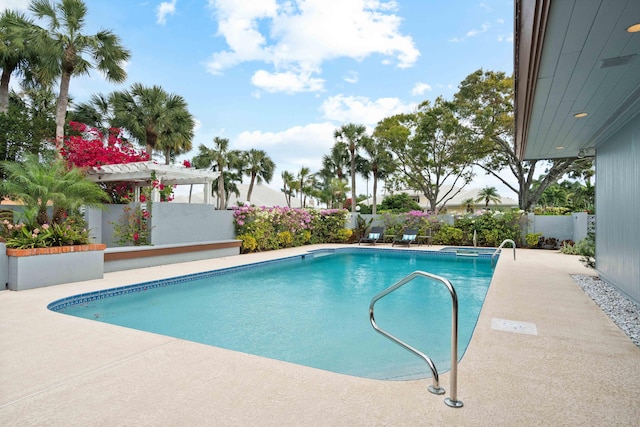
[[488, 194], [155, 118], [485, 104], [398, 203], [431, 148], [468, 204], [352, 136], [63, 48], [37, 184], [259, 168]]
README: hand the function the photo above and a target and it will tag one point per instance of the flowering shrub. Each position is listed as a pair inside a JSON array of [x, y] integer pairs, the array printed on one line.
[[422, 221], [491, 227], [262, 228], [29, 234], [88, 147], [134, 227]]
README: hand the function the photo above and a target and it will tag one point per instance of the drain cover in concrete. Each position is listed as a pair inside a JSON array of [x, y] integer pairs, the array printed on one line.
[[514, 326]]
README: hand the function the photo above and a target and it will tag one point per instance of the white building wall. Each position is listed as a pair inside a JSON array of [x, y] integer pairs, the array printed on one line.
[[618, 209]]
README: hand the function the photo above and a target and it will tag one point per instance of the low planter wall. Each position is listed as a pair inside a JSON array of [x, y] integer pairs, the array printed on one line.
[[36, 268], [130, 257], [4, 267]]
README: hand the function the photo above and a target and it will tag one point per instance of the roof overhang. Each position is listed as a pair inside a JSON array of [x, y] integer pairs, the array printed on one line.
[[573, 57], [142, 173]]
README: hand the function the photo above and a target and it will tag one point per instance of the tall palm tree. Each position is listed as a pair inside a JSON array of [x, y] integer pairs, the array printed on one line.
[[217, 159], [15, 52], [288, 185], [339, 188], [259, 168], [157, 119], [37, 184], [63, 47], [488, 194], [352, 136], [303, 176], [380, 163]]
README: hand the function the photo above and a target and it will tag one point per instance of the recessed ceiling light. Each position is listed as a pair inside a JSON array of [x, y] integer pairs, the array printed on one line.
[[579, 115], [559, 147], [634, 28]]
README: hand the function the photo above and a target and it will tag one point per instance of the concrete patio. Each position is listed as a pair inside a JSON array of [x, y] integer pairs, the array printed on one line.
[[579, 369]]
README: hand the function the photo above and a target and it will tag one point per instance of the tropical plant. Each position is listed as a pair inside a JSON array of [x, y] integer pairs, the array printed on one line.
[[157, 119], [15, 52], [380, 163], [216, 159], [38, 184], [488, 194], [288, 186], [303, 176], [352, 137], [259, 168], [63, 46]]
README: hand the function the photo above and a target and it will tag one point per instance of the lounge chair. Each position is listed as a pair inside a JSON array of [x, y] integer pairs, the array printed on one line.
[[408, 237], [375, 235]]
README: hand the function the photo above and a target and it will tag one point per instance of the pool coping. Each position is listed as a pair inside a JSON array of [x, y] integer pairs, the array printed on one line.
[[578, 369]]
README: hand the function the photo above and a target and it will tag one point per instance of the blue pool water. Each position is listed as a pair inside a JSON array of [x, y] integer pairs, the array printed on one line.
[[311, 310]]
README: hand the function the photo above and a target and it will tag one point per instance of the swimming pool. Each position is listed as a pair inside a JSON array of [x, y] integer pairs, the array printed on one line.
[[310, 310]]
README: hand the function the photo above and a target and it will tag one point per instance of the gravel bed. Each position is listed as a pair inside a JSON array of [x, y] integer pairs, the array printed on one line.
[[618, 307]]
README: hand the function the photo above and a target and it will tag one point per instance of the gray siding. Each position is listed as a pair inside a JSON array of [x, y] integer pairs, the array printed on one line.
[[617, 209]]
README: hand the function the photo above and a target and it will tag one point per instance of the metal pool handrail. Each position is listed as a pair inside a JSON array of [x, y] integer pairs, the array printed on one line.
[[435, 387], [499, 249]]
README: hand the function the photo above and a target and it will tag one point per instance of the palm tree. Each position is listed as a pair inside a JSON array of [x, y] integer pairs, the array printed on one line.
[[155, 118], [468, 204], [488, 194], [352, 136], [288, 184], [63, 47], [97, 112], [303, 176], [15, 54], [339, 188], [38, 184], [380, 163], [259, 167], [217, 159]]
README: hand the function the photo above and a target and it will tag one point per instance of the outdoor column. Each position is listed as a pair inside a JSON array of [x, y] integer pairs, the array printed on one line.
[[207, 192]]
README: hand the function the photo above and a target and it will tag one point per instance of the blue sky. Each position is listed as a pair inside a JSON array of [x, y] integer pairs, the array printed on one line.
[[283, 75]]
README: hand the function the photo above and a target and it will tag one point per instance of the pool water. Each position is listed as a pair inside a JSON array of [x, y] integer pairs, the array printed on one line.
[[313, 310]]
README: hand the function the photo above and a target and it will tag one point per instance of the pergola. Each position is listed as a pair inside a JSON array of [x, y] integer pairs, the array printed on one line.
[[142, 174]]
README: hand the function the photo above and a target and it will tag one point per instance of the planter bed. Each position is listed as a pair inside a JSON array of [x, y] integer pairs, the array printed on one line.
[[39, 267]]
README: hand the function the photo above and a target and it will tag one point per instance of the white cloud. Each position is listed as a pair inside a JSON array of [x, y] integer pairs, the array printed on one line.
[[294, 36], [351, 77], [286, 147], [289, 81], [420, 88], [360, 109], [475, 32], [165, 9], [500, 21]]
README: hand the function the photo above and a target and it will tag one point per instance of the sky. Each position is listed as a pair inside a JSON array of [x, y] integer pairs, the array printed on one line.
[[283, 75]]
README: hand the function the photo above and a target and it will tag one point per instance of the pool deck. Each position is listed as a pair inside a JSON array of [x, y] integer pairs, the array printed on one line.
[[579, 369]]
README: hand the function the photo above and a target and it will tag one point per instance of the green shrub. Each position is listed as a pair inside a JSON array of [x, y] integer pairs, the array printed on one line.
[[448, 235], [249, 243], [533, 239], [587, 248]]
